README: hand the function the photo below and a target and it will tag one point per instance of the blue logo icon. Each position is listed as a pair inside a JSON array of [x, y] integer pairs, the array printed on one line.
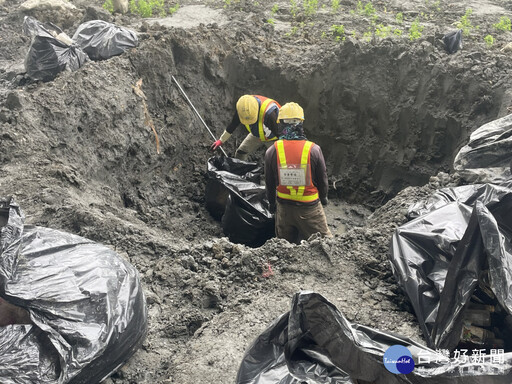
[[398, 359]]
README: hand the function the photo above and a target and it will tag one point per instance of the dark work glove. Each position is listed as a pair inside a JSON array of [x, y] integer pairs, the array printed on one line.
[[272, 208], [324, 201]]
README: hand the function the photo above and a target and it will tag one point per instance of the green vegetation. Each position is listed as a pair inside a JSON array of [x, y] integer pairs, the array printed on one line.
[[293, 31], [399, 17], [293, 8], [310, 7], [504, 24], [148, 8], [434, 5], [335, 5], [360, 7], [273, 11], [227, 3], [465, 24], [174, 9], [338, 31], [145, 8], [397, 32], [108, 6], [382, 31], [369, 10], [415, 30], [489, 40]]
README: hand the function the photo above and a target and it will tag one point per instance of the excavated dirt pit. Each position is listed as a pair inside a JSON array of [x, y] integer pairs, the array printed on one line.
[[388, 114]]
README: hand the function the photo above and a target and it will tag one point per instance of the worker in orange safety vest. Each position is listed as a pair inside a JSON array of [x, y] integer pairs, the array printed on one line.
[[296, 179], [259, 116]]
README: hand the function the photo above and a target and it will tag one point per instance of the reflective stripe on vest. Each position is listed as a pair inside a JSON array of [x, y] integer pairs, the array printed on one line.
[[296, 193], [261, 120]]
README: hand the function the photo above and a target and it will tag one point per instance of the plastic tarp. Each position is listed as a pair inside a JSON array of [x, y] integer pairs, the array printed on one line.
[[233, 195], [102, 40], [87, 309], [488, 155], [441, 256], [49, 55], [315, 344], [453, 41]]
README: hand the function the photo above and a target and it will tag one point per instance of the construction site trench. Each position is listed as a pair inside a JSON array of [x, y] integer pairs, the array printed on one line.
[[78, 154]]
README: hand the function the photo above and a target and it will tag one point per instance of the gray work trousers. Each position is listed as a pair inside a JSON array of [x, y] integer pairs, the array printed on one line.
[[250, 144]]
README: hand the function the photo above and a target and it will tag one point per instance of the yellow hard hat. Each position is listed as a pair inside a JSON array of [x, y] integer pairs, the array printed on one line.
[[247, 107], [291, 111]]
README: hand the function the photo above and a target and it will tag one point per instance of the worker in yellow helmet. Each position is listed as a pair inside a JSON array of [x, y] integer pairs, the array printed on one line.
[[259, 116], [296, 179]]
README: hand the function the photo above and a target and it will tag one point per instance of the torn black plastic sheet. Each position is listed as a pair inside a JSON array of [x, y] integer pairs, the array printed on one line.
[[438, 257], [315, 344]]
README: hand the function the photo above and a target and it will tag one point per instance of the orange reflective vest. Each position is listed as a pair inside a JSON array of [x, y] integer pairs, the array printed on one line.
[[294, 170], [257, 129]]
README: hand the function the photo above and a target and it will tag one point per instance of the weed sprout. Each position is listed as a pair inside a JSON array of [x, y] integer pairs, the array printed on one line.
[[416, 30], [465, 24], [503, 25]]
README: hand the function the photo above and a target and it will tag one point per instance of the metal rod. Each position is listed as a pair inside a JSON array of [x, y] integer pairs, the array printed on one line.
[[197, 113]]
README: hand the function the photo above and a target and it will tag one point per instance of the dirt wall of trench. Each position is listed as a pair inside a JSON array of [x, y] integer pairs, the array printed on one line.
[[386, 116]]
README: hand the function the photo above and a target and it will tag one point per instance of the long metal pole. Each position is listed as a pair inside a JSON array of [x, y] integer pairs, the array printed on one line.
[[197, 113]]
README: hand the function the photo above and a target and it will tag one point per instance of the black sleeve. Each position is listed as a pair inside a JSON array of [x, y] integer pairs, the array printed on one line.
[[319, 172], [271, 121], [271, 176], [235, 122]]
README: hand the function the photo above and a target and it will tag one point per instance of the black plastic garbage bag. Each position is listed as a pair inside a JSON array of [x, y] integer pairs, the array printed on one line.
[[244, 223], [223, 173], [87, 309], [488, 155], [49, 54], [102, 40], [465, 194], [233, 194], [315, 344], [439, 258], [453, 41]]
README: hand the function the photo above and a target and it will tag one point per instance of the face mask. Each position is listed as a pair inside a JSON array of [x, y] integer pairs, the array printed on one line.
[[291, 131]]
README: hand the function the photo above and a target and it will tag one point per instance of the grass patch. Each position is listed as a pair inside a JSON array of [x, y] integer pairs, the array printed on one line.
[[465, 23], [503, 25]]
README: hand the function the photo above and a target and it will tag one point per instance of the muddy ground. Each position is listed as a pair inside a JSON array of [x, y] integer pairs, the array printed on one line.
[[389, 114]]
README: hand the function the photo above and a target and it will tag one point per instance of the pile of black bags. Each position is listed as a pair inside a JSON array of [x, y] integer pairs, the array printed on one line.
[[52, 51], [86, 310]]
